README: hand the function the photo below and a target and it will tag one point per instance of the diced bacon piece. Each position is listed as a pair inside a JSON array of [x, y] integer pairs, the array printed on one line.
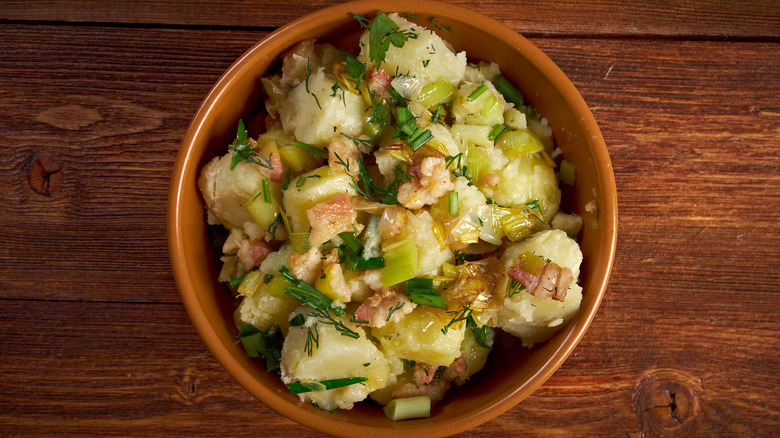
[[252, 252], [343, 156], [379, 82], [432, 181], [424, 373], [376, 308], [307, 267], [276, 172], [552, 282], [329, 218], [459, 364]]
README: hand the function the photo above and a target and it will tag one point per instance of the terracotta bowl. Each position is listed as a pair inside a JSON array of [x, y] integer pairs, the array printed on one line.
[[512, 372]]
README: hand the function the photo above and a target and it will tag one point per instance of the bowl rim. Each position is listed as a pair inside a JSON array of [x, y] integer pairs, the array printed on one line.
[[607, 218]]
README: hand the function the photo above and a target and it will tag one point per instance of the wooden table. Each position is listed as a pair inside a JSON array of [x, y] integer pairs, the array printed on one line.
[[95, 97]]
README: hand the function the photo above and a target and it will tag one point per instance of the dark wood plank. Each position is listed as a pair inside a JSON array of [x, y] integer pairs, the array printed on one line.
[[670, 18], [94, 339], [98, 368]]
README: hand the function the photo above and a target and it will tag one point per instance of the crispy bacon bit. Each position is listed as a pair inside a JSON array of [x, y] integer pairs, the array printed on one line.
[[343, 156], [252, 252], [379, 82], [491, 179], [552, 281], [424, 373], [459, 365], [434, 390], [377, 307], [307, 266], [329, 218], [432, 181]]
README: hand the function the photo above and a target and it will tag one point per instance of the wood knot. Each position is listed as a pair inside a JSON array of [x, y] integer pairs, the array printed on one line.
[[44, 174], [666, 402]]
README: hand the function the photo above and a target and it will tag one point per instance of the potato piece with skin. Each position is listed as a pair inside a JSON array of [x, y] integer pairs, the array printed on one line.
[[527, 317], [316, 120], [419, 337], [335, 357], [526, 179], [426, 57], [227, 191]]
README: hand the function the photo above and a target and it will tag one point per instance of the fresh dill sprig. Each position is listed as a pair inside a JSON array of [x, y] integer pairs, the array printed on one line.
[[242, 150]]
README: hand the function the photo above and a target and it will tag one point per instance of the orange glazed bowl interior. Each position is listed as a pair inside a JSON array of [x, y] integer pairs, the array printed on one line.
[[512, 371]]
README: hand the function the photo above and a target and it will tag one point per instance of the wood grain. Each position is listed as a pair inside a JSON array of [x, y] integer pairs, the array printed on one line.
[[94, 339], [668, 18]]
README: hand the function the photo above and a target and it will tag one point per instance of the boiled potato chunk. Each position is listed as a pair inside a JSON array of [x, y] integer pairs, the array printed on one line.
[[226, 191], [526, 179], [426, 57], [418, 336], [527, 317], [317, 120], [475, 356], [263, 309], [335, 357]]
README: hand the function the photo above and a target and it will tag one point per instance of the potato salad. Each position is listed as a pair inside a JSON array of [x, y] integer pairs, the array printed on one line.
[[389, 210]]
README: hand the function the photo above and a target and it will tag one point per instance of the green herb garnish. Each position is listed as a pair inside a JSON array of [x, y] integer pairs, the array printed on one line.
[[324, 385]]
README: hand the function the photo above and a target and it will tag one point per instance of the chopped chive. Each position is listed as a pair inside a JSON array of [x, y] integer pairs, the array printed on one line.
[[369, 263], [300, 182], [351, 241], [478, 92], [309, 148], [420, 139], [267, 278], [453, 203], [428, 299], [298, 320], [323, 385], [510, 92], [419, 283], [266, 191], [234, 282], [498, 130], [286, 180]]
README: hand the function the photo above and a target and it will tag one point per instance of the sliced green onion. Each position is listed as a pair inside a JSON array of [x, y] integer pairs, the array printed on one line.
[[453, 203], [519, 143], [323, 385], [568, 173], [436, 92], [309, 148], [410, 407], [478, 92]]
